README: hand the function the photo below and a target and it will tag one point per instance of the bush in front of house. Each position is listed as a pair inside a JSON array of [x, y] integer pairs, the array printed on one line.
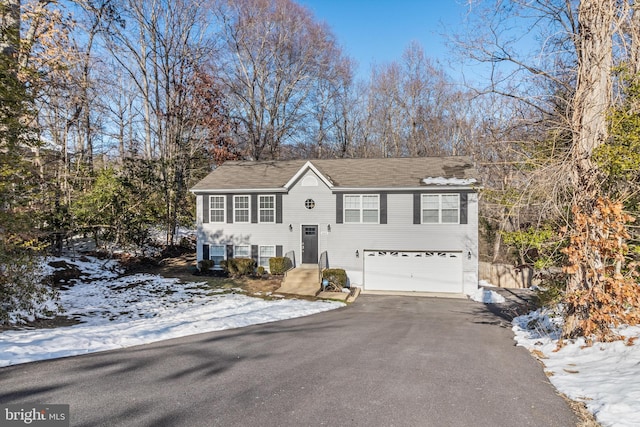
[[336, 276], [245, 266], [205, 265], [279, 264], [238, 266]]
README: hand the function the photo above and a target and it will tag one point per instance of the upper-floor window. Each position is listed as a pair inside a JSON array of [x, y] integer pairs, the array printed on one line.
[[440, 209], [362, 208], [241, 209], [267, 208], [216, 208]]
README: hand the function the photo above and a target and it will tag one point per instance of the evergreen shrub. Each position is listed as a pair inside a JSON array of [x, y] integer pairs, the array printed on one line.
[[205, 264], [278, 265], [336, 276], [238, 266]]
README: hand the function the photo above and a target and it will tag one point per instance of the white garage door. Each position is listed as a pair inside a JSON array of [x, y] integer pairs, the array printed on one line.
[[426, 271]]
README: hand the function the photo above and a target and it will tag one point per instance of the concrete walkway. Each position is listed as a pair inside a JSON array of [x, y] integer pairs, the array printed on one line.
[[303, 280]]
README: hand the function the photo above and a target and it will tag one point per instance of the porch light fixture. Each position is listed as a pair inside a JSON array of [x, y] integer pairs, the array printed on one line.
[[329, 227], [468, 254], [290, 227], [357, 253]]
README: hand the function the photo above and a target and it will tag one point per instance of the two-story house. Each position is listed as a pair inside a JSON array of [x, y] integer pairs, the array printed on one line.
[[394, 224]]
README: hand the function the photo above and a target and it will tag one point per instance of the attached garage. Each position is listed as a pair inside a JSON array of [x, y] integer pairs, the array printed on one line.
[[414, 271]]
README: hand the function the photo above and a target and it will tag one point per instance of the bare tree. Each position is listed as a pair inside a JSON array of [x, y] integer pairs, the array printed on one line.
[[592, 98], [274, 56], [162, 48], [326, 105], [384, 106], [416, 108], [567, 88], [591, 102]]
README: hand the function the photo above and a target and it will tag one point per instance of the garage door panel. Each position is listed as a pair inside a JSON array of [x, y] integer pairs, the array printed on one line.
[[424, 271]]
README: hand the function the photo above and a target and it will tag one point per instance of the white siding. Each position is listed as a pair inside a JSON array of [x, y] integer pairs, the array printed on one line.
[[294, 212], [401, 234], [342, 242]]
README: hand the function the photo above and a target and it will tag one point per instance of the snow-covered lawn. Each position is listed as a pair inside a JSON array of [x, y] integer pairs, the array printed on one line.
[[606, 376], [118, 311]]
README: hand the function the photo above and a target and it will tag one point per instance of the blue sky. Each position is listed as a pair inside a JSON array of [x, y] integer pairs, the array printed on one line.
[[378, 31]]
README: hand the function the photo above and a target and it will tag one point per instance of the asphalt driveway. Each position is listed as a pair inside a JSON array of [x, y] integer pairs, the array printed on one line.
[[383, 361]]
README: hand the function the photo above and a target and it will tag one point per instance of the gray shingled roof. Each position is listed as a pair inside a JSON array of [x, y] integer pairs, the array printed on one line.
[[400, 172]]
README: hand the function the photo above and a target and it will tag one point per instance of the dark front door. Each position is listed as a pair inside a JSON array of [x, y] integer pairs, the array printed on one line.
[[309, 244]]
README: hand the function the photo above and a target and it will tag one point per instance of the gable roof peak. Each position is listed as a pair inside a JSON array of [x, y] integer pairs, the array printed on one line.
[[309, 165]]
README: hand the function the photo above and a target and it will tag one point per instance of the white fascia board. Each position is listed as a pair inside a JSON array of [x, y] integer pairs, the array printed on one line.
[[405, 189], [302, 170], [240, 190]]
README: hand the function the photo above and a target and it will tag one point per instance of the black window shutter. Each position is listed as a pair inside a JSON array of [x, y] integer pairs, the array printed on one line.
[[229, 251], [278, 208], [383, 208], [205, 208], [416, 208], [254, 253], [464, 202], [205, 252], [229, 208], [339, 201], [278, 250], [253, 206]]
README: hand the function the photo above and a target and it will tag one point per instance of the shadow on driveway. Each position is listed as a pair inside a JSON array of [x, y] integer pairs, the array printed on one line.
[[381, 361]]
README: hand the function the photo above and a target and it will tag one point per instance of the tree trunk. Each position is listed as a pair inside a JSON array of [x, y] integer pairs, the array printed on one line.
[[593, 87], [634, 32], [594, 45]]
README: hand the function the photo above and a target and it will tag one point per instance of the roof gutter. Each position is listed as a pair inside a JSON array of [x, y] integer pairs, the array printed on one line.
[[239, 190], [407, 189], [339, 189]]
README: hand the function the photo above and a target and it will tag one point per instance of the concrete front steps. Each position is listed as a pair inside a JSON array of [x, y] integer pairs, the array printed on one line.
[[302, 280], [305, 280]]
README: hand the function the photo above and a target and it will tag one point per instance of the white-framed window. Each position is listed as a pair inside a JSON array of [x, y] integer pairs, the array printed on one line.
[[264, 253], [440, 209], [216, 208], [217, 253], [362, 208], [241, 209], [267, 208], [242, 251]]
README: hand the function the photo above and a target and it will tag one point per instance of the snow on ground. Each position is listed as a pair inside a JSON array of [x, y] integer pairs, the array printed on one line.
[[486, 296], [159, 235], [121, 311], [605, 376]]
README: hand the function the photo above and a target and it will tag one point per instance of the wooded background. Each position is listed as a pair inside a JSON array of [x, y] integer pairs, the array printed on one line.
[[112, 109]]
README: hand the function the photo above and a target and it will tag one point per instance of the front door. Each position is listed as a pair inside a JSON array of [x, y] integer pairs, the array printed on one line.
[[309, 244]]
